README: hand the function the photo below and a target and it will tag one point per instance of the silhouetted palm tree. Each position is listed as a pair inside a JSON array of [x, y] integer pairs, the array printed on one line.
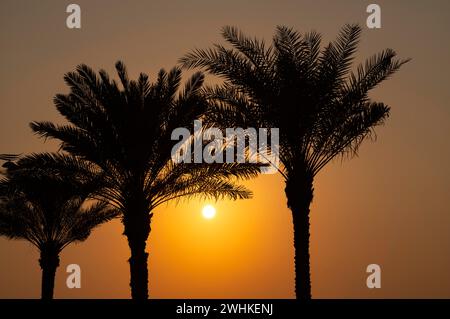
[[126, 133], [49, 210], [321, 110]]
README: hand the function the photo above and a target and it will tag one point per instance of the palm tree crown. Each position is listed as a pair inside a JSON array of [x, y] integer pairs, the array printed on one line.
[[126, 133], [322, 110]]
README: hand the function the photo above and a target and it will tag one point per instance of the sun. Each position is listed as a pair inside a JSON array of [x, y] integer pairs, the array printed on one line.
[[209, 212]]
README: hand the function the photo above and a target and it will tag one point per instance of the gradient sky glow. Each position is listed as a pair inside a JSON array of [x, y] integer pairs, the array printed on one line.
[[389, 206]]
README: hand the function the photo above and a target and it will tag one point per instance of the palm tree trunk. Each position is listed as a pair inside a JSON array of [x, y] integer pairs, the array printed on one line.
[[137, 230], [49, 262], [299, 193]]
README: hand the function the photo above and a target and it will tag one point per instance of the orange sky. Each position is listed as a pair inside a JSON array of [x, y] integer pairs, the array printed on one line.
[[389, 206]]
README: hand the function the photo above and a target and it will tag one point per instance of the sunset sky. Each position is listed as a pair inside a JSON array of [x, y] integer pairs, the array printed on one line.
[[389, 206]]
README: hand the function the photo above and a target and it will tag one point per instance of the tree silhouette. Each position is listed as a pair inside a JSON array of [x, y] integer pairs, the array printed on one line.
[[321, 108], [125, 133], [48, 209]]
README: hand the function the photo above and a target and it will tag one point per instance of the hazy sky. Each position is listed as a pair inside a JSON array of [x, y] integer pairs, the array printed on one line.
[[389, 206]]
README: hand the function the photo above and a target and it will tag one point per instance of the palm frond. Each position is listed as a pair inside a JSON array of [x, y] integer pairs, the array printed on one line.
[[86, 220]]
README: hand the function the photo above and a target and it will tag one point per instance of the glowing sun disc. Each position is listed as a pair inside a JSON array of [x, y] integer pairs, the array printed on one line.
[[208, 212]]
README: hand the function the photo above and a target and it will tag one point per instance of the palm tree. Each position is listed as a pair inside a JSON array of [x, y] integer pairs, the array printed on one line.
[[49, 210], [321, 108], [125, 132]]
